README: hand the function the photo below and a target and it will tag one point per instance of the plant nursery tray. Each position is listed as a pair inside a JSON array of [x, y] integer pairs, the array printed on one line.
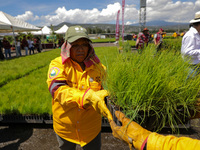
[[48, 119], [35, 119], [18, 118], [148, 123]]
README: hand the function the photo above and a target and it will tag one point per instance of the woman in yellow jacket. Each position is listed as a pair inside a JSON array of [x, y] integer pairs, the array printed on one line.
[[75, 83], [142, 139]]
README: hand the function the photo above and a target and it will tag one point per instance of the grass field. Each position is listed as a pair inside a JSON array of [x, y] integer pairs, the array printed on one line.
[[23, 86]]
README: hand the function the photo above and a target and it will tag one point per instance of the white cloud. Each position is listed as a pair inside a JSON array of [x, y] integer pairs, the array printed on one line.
[[171, 11], [111, 9], [156, 10], [128, 23], [27, 16], [83, 16]]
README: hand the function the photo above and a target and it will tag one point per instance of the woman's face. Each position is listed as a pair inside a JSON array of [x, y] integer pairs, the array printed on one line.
[[79, 50]]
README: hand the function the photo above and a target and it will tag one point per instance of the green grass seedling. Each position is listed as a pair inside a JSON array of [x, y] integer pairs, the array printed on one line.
[[153, 85], [19, 67]]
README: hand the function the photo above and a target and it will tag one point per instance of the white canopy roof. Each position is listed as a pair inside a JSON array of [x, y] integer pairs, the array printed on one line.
[[9, 33], [9, 23], [62, 30], [45, 31]]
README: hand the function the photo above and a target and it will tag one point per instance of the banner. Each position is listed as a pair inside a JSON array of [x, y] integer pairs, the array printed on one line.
[[123, 4], [117, 27]]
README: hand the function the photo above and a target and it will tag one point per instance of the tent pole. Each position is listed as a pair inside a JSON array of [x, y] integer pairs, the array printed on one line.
[[15, 42]]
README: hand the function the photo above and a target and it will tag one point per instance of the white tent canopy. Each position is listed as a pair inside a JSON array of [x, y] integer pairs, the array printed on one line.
[[9, 23], [62, 30], [44, 31], [9, 34]]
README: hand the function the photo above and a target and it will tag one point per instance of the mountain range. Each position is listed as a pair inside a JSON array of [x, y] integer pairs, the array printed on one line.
[[151, 25], [162, 23]]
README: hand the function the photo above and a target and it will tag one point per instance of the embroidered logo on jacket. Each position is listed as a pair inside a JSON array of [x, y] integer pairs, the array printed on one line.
[[53, 72]]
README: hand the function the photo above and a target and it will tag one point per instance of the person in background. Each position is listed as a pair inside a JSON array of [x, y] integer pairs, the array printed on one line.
[[38, 45], [25, 44], [175, 35], [75, 83], [190, 48], [7, 47], [143, 39], [60, 41], [134, 37], [141, 139], [30, 45], [182, 34], [34, 41], [158, 39], [18, 49], [1, 52]]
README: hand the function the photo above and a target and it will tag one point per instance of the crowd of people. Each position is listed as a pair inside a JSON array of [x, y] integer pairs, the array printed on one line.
[[144, 37], [27, 44]]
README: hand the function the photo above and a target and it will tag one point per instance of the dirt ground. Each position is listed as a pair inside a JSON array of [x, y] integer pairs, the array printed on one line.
[[42, 137]]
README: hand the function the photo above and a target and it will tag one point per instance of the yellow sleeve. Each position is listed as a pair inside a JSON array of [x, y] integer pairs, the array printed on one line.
[[58, 86], [159, 142]]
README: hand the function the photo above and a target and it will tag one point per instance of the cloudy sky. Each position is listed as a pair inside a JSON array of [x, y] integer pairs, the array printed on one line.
[[47, 12]]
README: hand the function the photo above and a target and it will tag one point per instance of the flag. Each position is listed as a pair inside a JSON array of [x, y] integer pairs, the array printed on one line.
[[117, 27], [123, 3]]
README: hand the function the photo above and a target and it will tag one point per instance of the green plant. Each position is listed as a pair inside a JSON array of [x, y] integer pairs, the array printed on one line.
[[103, 40], [27, 95], [147, 85], [17, 68], [107, 54], [126, 47], [172, 45]]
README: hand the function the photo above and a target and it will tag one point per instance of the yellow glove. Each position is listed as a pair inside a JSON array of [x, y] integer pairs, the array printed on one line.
[[96, 99], [130, 131]]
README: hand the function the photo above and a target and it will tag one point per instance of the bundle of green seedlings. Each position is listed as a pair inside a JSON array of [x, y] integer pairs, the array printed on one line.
[[173, 45], [153, 90]]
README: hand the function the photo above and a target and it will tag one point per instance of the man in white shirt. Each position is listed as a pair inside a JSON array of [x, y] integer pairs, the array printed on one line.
[[191, 45]]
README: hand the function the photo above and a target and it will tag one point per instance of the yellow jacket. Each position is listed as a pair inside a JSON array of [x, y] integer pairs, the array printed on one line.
[[67, 83], [159, 142]]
